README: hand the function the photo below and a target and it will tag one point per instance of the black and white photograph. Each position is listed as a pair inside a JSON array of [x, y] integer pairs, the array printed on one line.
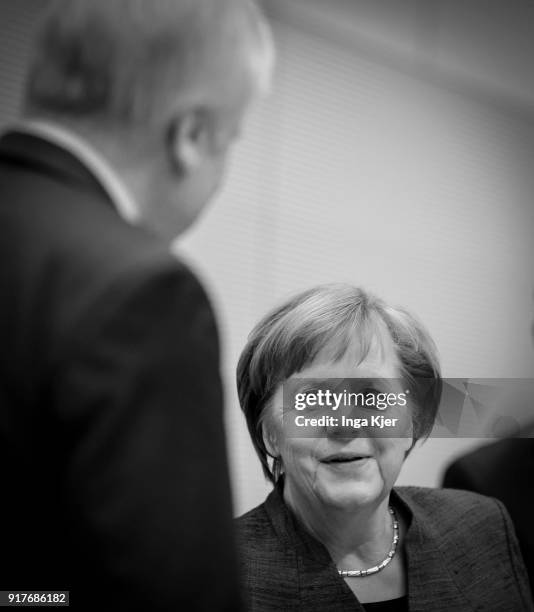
[[267, 305]]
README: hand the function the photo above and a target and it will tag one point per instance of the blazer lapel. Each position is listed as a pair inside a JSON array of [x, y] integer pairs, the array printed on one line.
[[317, 582], [431, 583]]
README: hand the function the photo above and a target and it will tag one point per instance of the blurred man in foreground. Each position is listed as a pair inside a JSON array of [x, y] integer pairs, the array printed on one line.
[[112, 451]]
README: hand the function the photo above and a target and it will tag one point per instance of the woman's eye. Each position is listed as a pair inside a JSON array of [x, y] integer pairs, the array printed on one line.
[[312, 398], [375, 399]]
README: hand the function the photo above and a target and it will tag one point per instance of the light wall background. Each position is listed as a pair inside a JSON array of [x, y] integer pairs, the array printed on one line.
[[395, 152], [370, 165]]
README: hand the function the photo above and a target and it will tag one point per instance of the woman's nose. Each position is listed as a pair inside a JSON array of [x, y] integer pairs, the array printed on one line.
[[345, 424]]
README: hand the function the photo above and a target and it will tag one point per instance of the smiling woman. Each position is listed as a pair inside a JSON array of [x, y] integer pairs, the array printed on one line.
[[335, 534]]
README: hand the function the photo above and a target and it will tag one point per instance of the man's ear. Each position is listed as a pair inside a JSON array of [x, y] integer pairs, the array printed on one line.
[[189, 139]]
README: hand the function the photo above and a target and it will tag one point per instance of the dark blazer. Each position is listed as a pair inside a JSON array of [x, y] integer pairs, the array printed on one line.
[[504, 470], [461, 551], [112, 452]]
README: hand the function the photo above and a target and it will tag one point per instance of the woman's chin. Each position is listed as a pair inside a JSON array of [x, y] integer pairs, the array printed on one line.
[[349, 484], [350, 495]]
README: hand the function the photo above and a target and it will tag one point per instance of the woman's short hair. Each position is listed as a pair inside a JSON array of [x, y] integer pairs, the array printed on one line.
[[290, 337]]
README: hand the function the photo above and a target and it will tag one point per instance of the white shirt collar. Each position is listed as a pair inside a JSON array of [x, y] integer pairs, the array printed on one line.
[[92, 159]]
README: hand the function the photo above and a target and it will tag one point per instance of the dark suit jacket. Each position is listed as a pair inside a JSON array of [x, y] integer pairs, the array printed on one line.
[[461, 550], [504, 470], [112, 452]]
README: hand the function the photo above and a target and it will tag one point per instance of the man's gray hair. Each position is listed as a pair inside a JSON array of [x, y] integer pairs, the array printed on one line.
[[116, 59]]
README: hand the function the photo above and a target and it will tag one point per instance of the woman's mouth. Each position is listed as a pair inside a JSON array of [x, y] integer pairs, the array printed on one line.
[[344, 458]]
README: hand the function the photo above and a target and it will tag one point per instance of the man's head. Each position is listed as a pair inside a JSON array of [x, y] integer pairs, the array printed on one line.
[[159, 86]]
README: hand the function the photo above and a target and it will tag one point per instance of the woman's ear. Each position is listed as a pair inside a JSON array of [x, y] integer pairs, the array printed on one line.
[[269, 439], [408, 437]]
